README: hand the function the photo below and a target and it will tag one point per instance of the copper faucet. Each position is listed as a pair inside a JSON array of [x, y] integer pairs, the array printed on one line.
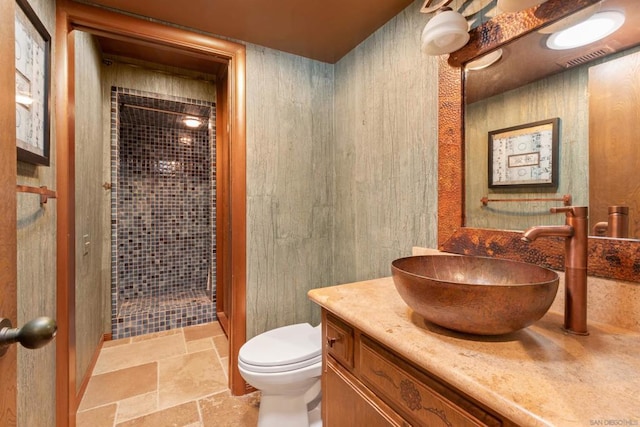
[[618, 224], [575, 232]]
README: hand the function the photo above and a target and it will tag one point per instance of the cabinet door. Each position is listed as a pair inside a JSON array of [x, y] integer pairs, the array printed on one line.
[[346, 403]]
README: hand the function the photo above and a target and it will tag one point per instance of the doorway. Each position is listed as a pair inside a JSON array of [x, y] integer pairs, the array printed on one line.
[[163, 202], [148, 38]]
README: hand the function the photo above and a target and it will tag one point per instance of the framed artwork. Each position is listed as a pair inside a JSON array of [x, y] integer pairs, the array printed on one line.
[[33, 71], [525, 155]]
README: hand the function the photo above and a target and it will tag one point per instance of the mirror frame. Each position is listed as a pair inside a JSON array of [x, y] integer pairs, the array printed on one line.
[[617, 259]]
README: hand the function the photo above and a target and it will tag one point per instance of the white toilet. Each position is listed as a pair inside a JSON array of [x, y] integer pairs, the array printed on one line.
[[285, 364]]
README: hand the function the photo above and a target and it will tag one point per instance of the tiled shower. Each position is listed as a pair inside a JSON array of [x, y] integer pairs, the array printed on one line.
[[163, 212]]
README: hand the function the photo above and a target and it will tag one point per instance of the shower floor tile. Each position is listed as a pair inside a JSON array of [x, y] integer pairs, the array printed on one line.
[[155, 313], [187, 384], [152, 303]]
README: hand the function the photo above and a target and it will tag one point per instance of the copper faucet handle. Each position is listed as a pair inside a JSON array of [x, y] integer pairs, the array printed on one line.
[[575, 211]]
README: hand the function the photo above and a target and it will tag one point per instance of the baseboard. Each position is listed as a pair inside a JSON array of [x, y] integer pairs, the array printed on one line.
[[92, 365]]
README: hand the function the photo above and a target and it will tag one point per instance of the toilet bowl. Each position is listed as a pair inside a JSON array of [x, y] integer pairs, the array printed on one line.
[[285, 364]]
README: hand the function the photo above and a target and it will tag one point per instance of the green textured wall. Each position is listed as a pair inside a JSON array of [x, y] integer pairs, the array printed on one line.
[[91, 199], [386, 149], [37, 271], [290, 188], [341, 168]]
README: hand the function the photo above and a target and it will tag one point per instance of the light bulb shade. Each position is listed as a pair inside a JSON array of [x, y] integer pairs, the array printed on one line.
[[517, 5], [446, 32]]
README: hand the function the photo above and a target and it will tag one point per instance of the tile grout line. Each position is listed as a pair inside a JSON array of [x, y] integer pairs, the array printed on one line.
[[115, 416], [184, 341], [199, 411]]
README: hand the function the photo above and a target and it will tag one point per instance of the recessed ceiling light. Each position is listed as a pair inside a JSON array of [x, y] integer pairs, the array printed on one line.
[[192, 122], [597, 27]]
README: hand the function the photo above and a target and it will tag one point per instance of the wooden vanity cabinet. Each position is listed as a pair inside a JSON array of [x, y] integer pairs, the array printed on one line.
[[365, 383]]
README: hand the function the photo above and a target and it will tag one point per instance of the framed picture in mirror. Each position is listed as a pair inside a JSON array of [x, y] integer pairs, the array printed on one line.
[[524, 155], [33, 71]]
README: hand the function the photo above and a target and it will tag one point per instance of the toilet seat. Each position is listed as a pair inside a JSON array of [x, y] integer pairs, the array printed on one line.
[[283, 349]]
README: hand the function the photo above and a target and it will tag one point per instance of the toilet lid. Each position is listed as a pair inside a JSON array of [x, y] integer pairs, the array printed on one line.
[[293, 344]]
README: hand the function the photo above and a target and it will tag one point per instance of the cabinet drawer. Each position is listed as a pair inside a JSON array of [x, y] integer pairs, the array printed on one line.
[[399, 385], [347, 403], [339, 341]]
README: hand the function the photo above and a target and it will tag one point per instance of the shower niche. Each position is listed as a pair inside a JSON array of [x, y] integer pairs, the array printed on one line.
[[163, 212]]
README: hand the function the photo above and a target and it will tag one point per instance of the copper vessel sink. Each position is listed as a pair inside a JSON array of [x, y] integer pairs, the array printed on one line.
[[476, 295]]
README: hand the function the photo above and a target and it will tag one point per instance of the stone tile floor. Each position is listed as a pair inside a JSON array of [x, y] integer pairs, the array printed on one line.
[[173, 378]]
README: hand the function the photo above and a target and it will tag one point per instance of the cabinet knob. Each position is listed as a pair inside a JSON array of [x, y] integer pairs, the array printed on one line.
[[332, 340]]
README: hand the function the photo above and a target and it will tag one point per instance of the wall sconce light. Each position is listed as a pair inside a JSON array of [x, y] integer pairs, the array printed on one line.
[[517, 5], [446, 32]]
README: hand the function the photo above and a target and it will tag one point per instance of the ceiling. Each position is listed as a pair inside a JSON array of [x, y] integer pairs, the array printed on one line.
[[322, 30]]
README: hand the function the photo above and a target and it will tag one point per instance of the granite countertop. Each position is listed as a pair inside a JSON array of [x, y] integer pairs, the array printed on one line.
[[539, 376]]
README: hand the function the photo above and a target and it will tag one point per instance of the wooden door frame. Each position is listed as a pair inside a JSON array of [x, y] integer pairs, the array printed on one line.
[[75, 16], [223, 260], [8, 215]]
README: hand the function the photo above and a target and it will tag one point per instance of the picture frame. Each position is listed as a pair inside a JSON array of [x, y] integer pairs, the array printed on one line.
[[525, 155], [33, 86]]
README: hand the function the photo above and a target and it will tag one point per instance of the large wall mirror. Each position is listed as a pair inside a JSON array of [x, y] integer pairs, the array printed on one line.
[[530, 83]]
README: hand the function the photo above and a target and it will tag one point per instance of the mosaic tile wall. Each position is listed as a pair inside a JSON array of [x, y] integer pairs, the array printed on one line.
[[163, 213]]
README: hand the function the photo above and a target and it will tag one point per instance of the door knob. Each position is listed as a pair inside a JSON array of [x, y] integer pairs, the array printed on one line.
[[34, 334]]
